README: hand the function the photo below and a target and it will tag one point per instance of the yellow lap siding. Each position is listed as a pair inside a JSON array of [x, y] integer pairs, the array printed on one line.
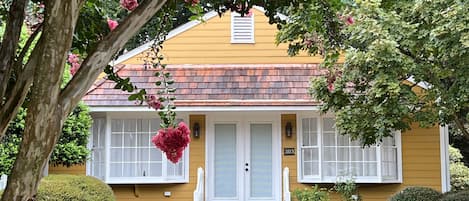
[[420, 162]]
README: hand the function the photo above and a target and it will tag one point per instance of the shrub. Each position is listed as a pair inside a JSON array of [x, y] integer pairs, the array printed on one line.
[[417, 193], [458, 171], [73, 188], [313, 194], [456, 196], [348, 190]]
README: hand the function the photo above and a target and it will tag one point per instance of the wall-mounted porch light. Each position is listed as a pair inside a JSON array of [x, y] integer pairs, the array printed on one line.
[[196, 130], [289, 129]]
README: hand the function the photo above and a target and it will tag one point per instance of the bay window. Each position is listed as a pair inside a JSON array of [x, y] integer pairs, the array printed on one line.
[[325, 155], [122, 152]]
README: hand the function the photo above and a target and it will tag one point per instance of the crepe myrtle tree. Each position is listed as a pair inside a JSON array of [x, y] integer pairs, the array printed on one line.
[[79, 32], [390, 48]]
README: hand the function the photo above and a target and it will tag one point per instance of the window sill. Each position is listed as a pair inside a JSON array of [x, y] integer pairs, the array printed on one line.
[[134, 180], [356, 180]]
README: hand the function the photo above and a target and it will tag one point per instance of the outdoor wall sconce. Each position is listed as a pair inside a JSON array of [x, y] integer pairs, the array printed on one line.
[[289, 129], [196, 130]]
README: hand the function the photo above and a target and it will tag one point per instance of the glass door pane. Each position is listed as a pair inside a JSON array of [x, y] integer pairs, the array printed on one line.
[[261, 179], [225, 185]]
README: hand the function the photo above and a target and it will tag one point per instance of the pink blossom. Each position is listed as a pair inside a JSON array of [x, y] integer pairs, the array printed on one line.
[[130, 5], [74, 68], [172, 141], [330, 87], [112, 24], [349, 20], [193, 2], [72, 58], [153, 102]]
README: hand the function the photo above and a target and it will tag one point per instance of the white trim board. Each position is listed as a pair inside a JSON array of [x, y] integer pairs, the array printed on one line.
[[444, 156], [206, 108]]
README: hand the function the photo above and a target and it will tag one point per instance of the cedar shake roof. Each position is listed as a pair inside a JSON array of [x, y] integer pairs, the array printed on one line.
[[217, 85]]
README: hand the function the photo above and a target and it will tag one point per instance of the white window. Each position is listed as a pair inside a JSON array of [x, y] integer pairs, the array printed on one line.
[[325, 156], [122, 152], [242, 28]]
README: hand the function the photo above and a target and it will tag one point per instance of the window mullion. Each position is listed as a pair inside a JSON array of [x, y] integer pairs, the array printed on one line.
[[320, 147], [107, 148], [378, 159]]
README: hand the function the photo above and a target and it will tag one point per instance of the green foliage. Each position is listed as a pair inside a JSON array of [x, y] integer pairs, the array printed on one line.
[[313, 194], [348, 190], [459, 173], [417, 193], [73, 188], [387, 43], [456, 196], [454, 155], [70, 150]]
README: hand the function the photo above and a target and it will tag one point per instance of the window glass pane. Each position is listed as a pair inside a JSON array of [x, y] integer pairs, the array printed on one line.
[[370, 169], [356, 169], [328, 139], [143, 125], [130, 170], [143, 169], [116, 154], [129, 125], [156, 155], [356, 154], [155, 170], [143, 140], [343, 140], [225, 160], [310, 132], [329, 169], [143, 154], [116, 140], [343, 154], [115, 170], [261, 161], [329, 154], [369, 154], [116, 125], [130, 154], [130, 139], [328, 124], [154, 125]]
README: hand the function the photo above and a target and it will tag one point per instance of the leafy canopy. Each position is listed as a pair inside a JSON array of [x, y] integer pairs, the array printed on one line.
[[386, 44]]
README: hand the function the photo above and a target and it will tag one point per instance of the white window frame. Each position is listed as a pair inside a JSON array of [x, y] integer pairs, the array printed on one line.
[[139, 180], [233, 39], [357, 179]]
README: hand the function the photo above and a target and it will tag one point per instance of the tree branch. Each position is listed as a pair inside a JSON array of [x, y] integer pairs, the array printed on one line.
[[18, 92], [461, 127], [19, 63], [96, 60], [10, 42]]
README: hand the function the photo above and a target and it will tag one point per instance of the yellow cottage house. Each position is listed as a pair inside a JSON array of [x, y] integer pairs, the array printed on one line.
[[256, 134]]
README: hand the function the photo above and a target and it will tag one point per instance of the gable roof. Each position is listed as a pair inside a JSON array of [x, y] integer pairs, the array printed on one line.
[[217, 85]]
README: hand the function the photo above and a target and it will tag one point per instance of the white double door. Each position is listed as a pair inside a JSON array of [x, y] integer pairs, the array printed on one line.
[[243, 158]]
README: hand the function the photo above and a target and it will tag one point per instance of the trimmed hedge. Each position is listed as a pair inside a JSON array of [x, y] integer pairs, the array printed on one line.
[[456, 196], [416, 193], [73, 188]]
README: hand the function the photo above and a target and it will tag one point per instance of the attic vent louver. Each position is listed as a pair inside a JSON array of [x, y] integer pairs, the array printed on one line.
[[242, 28]]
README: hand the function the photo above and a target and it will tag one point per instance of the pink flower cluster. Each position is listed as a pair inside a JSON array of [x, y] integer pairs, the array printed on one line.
[[112, 24], [130, 5], [73, 59], [153, 102], [173, 141], [193, 2], [347, 19]]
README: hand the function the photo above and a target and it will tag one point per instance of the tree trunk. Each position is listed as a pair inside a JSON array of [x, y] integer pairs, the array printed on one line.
[[45, 115]]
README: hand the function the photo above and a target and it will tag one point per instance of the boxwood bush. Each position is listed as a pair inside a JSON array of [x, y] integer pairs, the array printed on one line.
[[73, 188], [456, 196], [417, 193]]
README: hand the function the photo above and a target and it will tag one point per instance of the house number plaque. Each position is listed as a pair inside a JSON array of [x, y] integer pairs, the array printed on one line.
[[288, 151]]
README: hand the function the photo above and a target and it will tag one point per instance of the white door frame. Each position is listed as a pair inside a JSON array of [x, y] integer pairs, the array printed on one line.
[[243, 119]]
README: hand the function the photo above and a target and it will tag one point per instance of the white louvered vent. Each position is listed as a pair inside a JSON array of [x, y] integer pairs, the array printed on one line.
[[242, 28]]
